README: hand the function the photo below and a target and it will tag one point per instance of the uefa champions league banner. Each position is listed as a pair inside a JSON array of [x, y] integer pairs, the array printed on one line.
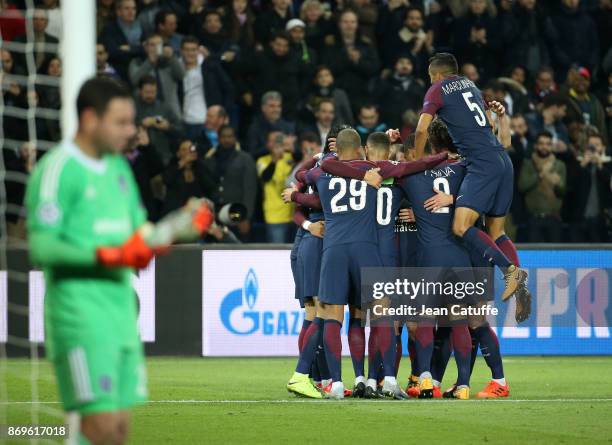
[[248, 305]]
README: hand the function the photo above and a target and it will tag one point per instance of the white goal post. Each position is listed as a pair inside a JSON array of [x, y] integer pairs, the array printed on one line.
[[78, 52]]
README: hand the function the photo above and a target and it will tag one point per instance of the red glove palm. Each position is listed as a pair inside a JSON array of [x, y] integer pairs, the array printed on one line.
[[202, 219], [133, 253]]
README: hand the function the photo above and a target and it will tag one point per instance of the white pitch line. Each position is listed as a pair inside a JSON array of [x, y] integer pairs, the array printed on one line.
[[291, 401]]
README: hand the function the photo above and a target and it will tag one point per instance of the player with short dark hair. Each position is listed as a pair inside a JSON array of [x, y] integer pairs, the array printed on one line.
[[487, 186], [87, 230]]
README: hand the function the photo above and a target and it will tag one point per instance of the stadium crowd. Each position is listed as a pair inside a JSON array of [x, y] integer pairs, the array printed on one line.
[[232, 94]]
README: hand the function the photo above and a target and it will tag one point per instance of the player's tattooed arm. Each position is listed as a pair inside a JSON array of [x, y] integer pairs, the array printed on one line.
[[344, 170], [300, 174], [299, 217], [390, 169], [310, 200], [292, 194], [503, 123], [420, 134], [438, 201]]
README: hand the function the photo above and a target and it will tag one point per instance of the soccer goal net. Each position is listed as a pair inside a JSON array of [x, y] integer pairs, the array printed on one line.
[[47, 49]]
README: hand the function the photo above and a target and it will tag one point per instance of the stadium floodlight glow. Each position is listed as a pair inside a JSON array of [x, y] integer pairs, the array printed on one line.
[[78, 50]]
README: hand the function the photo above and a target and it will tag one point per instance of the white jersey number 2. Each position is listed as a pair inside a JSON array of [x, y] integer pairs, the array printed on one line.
[[442, 185]]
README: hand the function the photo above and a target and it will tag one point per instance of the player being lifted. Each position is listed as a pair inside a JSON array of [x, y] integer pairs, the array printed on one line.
[[487, 186], [87, 229]]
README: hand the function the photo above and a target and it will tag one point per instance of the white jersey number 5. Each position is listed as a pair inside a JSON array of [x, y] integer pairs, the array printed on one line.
[[473, 106]]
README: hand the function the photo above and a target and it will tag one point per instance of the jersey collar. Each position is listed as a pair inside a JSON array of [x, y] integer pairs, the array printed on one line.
[[96, 165]]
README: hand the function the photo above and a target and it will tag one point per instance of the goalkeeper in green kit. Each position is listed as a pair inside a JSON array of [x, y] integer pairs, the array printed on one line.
[[87, 230]]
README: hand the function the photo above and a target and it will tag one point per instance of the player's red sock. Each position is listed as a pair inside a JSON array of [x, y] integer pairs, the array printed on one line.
[[484, 245], [462, 346], [305, 325], [333, 348], [441, 352], [309, 348], [507, 246], [424, 346], [356, 341]]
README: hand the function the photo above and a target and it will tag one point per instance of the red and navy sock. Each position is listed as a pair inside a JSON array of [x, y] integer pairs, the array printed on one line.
[[441, 352], [305, 324], [474, 350], [386, 345], [374, 358], [333, 348], [414, 363], [320, 358], [424, 346], [309, 347], [489, 348], [462, 346], [398, 351], [507, 246], [482, 243], [356, 341]]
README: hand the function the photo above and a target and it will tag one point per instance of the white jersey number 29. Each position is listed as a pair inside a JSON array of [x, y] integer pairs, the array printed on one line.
[[357, 190]]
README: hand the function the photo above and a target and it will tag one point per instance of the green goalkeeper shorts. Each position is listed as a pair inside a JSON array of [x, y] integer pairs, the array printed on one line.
[[100, 376]]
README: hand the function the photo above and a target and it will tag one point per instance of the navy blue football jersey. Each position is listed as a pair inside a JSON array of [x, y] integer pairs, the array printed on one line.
[[434, 228], [388, 200], [459, 103], [349, 206]]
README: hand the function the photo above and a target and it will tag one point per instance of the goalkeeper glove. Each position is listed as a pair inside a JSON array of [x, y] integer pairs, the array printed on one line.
[[133, 253]]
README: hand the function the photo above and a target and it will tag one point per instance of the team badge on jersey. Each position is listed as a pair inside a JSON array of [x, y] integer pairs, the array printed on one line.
[[49, 213]]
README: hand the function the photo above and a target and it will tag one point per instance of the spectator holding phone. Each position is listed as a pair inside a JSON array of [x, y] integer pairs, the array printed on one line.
[[159, 62], [273, 170], [157, 117]]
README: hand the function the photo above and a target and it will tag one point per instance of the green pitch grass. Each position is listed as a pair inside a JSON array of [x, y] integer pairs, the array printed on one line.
[[235, 401]]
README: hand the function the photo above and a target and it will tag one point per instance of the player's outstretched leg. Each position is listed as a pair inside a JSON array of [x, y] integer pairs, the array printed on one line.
[[356, 341], [439, 359], [462, 347], [495, 227], [398, 347], [374, 363], [480, 242], [424, 348], [489, 347], [300, 383], [412, 389]]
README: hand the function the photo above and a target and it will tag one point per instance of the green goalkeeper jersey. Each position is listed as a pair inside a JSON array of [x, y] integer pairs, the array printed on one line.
[[74, 205]]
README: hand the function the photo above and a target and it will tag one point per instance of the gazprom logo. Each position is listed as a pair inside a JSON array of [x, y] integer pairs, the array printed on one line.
[[238, 314]]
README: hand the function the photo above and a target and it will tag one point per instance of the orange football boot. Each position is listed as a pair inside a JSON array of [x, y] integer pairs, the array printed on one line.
[[493, 391]]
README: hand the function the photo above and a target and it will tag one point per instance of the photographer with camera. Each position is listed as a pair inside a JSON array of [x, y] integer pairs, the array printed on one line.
[[186, 176], [159, 62]]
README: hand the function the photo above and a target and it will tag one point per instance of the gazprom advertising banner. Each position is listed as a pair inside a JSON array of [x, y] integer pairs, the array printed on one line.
[[248, 305]]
